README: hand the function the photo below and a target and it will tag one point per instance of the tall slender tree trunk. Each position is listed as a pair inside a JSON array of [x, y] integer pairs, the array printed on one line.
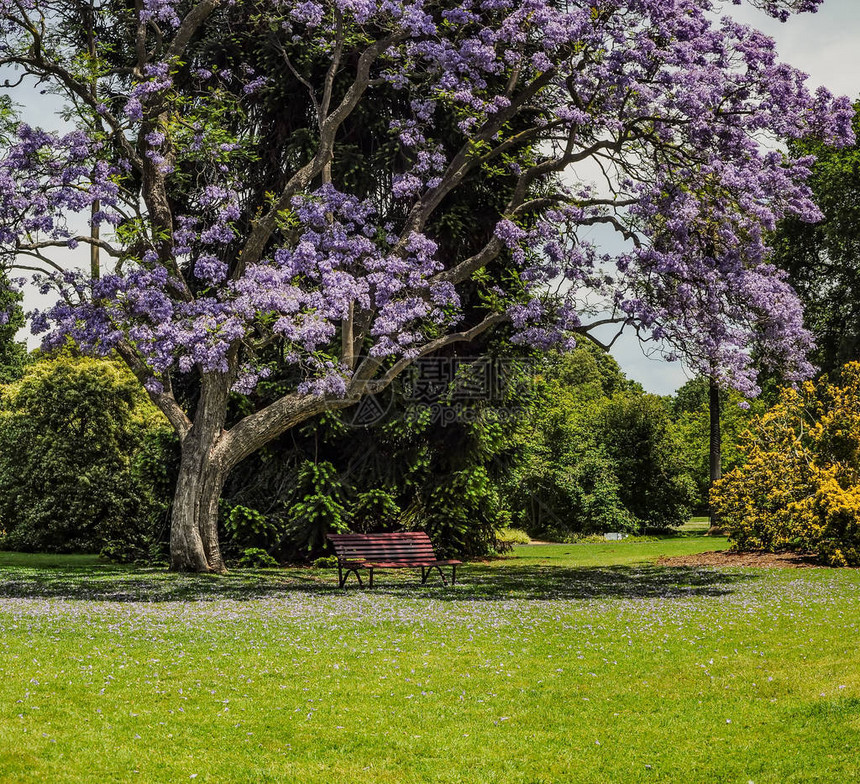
[[716, 443]]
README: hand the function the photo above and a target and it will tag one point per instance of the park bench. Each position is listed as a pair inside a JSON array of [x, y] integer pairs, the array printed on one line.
[[409, 549]]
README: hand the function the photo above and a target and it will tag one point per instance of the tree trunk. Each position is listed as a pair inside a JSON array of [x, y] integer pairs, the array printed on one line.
[[194, 525], [209, 453], [716, 443]]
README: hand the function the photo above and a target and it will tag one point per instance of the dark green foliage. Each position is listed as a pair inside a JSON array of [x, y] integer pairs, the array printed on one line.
[[601, 454], [316, 506], [13, 353], [81, 461], [250, 529], [823, 260], [311, 505], [585, 452], [598, 491], [436, 465], [256, 558], [462, 514], [653, 485], [374, 508]]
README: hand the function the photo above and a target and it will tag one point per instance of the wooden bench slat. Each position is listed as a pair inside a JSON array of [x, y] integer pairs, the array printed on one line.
[[396, 555], [387, 545], [378, 538], [404, 564], [382, 535], [390, 553]]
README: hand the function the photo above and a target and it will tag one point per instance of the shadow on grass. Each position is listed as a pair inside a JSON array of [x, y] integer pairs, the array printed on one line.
[[477, 583], [643, 581]]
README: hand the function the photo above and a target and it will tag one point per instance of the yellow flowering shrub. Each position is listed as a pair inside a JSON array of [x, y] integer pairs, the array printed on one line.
[[799, 487]]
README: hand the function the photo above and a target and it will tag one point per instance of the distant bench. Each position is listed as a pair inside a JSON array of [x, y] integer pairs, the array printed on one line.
[[410, 549]]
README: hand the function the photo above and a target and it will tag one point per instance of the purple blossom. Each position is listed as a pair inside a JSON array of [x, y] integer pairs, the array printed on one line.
[[210, 269], [695, 273]]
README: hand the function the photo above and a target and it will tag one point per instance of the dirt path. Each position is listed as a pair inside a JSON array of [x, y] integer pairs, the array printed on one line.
[[725, 558]]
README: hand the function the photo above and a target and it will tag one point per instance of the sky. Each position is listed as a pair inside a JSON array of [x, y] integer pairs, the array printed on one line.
[[825, 45]]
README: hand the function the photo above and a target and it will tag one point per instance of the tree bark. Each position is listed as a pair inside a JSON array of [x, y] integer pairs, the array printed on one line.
[[194, 525], [209, 453]]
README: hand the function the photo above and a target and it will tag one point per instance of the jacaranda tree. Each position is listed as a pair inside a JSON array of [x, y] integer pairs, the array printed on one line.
[[197, 270]]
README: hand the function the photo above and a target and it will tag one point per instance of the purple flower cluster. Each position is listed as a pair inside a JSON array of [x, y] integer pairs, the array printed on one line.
[[782, 10], [303, 292], [160, 11], [672, 105], [45, 177]]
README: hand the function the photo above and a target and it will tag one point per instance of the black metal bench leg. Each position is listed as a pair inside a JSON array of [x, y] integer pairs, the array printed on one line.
[[344, 576], [441, 574], [425, 573], [454, 574], [371, 577]]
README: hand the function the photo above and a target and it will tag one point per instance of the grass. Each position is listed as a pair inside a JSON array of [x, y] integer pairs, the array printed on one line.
[[560, 663], [697, 525], [42, 561]]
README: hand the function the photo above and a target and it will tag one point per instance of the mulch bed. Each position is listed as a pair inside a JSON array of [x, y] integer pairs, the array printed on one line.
[[728, 558]]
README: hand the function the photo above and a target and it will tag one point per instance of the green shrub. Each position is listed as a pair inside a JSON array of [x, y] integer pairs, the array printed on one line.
[[257, 558], [512, 536], [318, 507], [579, 499], [326, 562], [248, 528], [296, 525], [374, 510], [76, 440], [506, 538], [600, 538], [462, 516]]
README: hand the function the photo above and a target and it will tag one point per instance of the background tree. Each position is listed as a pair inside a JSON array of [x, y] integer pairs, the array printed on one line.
[[598, 455], [210, 268], [823, 259], [13, 352], [640, 441]]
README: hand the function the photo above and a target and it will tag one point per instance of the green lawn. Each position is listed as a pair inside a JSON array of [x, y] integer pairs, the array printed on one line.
[[696, 525], [560, 663]]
